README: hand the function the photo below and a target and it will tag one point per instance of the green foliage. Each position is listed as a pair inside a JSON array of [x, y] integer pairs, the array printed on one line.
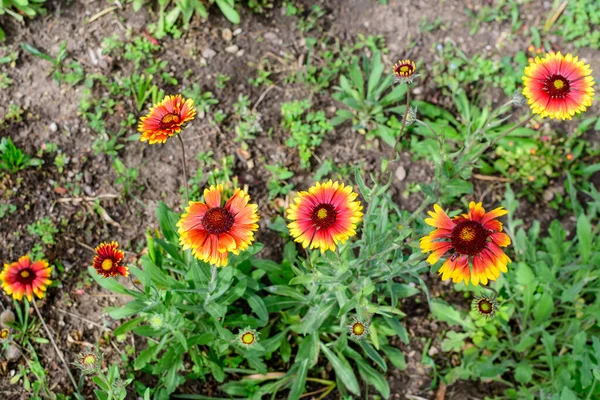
[[18, 9], [13, 159], [307, 129], [453, 69], [543, 338], [111, 386], [580, 23], [277, 185], [246, 119], [126, 177], [45, 229], [70, 73], [365, 92], [497, 11]]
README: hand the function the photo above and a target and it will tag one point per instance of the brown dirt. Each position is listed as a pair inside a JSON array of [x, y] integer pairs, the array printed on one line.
[[74, 306]]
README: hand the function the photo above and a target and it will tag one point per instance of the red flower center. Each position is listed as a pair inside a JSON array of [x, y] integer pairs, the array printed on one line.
[[169, 120], [557, 86], [469, 237], [26, 276], [403, 69], [217, 220], [323, 216]]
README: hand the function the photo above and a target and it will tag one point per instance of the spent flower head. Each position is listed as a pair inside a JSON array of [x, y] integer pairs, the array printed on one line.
[[4, 335], [247, 338], [89, 362], [157, 321], [485, 306], [358, 329]]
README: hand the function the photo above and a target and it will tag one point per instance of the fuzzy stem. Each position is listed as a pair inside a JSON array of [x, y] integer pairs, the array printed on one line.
[[187, 196], [394, 154], [58, 352]]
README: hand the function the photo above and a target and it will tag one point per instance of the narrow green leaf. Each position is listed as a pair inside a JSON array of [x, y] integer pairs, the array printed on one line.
[[584, 237], [342, 370]]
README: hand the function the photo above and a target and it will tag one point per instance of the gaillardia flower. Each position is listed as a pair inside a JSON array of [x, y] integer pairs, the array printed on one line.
[[166, 118], [26, 278], [485, 306], [404, 70], [324, 216], [558, 86], [89, 362], [358, 329], [474, 240], [247, 337], [108, 260], [213, 230]]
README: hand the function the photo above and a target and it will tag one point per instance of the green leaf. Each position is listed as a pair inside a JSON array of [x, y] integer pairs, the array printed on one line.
[[257, 305], [449, 314], [230, 13], [395, 356], [543, 308], [457, 187], [398, 328], [108, 283], [567, 394], [299, 381], [373, 377], [376, 71], [128, 326], [403, 291], [374, 355], [584, 237], [342, 370], [167, 220], [523, 372], [524, 274]]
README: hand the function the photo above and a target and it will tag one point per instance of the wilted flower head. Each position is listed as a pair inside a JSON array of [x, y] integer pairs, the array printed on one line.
[[518, 99], [558, 86], [404, 71], [166, 118], [4, 335], [26, 278], [247, 338], [358, 329], [89, 362], [108, 260], [485, 306]]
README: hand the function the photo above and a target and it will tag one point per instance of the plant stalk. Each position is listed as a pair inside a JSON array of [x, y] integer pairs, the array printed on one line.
[[394, 154], [187, 195], [58, 352]]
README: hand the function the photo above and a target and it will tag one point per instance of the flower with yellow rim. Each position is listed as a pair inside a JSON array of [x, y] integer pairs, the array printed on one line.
[[324, 216], [558, 86], [358, 329], [4, 334], [404, 70], [166, 118], [474, 240], [24, 278], [213, 230], [108, 260], [247, 337]]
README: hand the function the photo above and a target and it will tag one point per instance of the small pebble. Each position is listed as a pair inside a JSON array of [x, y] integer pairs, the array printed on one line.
[[208, 53], [53, 127], [400, 173], [232, 49], [227, 35], [237, 31]]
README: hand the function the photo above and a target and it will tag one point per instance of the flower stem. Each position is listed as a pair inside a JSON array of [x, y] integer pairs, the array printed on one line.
[[58, 352], [187, 196], [394, 154], [503, 135]]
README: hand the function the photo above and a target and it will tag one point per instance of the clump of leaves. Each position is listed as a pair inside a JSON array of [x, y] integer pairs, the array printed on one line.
[[13, 159], [19, 9], [580, 23], [307, 129]]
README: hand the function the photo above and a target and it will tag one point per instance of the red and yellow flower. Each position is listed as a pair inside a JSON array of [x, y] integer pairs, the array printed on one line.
[[166, 118], [213, 230], [108, 260], [474, 240], [558, 86], [404, 71], [324, 216], [26, 278]]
